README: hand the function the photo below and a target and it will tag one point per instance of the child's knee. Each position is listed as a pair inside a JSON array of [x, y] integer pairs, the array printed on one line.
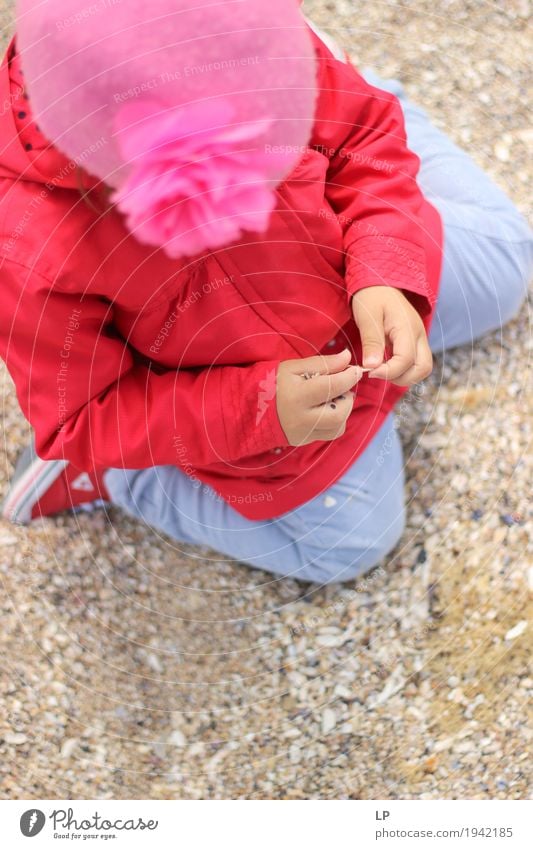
[[353, 557], [519, 270], [514, 296]]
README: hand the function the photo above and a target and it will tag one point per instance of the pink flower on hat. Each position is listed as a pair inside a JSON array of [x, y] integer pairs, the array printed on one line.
[[197, 177]]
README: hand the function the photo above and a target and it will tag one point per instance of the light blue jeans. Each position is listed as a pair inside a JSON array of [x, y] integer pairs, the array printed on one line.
[[350, 528]]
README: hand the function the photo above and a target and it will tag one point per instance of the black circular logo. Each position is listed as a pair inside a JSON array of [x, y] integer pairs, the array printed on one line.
[[32, 822]]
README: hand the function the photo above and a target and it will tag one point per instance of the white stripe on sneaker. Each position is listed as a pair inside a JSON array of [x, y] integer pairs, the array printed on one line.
[[29, 488]]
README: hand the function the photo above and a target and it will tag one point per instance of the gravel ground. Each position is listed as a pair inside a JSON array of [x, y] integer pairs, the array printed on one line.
[[134, 670]]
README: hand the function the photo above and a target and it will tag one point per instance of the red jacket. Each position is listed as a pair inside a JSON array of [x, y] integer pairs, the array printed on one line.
[[123, 357]]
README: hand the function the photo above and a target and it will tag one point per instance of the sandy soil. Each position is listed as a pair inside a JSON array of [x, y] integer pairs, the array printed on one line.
[[132, 669]]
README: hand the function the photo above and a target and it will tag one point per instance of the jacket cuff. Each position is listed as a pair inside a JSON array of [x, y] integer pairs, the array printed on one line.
[[388, 261], [249, 410]]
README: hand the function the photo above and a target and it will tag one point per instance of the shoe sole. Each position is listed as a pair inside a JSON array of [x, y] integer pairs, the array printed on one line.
[[30, 481]]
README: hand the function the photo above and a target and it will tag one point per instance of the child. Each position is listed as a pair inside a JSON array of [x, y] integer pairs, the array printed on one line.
[[205, 241]]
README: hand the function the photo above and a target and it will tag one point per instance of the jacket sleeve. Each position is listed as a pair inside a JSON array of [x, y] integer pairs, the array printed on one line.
[[371, 181], [91, 401]]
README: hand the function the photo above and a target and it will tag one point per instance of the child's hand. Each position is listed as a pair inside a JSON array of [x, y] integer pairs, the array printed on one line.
[[317, 407], [385, 316]]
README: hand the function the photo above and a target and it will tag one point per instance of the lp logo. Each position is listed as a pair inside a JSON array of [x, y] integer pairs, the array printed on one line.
[[32, 822]]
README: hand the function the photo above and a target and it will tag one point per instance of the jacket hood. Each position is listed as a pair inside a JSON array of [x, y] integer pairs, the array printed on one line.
[[25, 154]]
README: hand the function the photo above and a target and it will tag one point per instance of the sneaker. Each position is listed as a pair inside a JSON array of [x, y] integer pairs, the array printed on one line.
[[45, 487]]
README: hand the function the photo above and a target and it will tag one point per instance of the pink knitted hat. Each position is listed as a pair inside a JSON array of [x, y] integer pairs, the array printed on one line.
[[191, 110]]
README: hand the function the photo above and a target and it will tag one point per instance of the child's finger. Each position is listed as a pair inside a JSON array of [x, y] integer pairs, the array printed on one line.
[[403, 356], [372, 334], [328, 435], [322, 364], [332, 415], [421, 369], [326, 387]]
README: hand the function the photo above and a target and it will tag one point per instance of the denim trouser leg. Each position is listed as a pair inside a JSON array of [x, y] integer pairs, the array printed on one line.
[[344, 532], [335, 536]]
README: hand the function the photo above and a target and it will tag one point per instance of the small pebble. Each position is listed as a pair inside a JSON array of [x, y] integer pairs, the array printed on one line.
[[15, 739], [510, 519], [502, 152], [295, 754], [177, 738], [430, 764], [68, 747], [329, 721], [422, 556], [154, 663], [8, 539], [518, 629]]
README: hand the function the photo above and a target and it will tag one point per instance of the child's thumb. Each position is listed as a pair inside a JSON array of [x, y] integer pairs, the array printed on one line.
[[324, 363], [373, 341]]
